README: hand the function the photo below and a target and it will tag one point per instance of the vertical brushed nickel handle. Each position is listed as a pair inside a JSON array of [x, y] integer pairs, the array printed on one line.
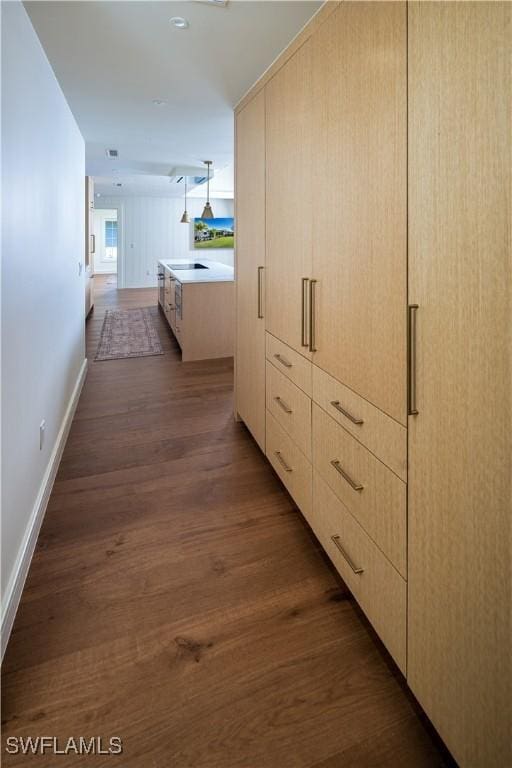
[[304, 329], [412, 408], [353, 484], [283, 463], [353, 419], [93, 243], [286, 408], [353, 566], [260, 310], [312, 316], [283, 360]]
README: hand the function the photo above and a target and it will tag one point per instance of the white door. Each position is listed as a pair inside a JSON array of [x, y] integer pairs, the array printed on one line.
[[106, 232]]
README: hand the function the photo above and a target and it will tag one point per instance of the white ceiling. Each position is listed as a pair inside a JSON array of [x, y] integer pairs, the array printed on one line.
[[113, 59]]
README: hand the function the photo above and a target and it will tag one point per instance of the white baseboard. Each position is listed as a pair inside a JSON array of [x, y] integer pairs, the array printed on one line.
[[24, 558]]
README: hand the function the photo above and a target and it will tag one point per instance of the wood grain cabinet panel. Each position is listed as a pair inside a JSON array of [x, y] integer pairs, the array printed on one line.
[[291, 407], [460, 495], [293, 365], [288, 198], [374, 495], [383, 436], [360, 196], [377, 586], [291, 465], [250, 263]]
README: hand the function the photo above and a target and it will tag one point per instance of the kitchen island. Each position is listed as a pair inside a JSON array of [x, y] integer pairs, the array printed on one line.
[[197, 297]]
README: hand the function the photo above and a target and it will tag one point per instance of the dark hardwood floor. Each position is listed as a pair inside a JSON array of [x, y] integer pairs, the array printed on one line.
[[177, 600]]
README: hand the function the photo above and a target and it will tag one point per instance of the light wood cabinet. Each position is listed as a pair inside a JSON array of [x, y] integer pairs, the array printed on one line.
[[460, 495], [288, 198], [368, 489], [383, 436], [387, 168], [291, 407], [205, 319], [290, 363], [169, 305], [359, 181], [250, 264], [201, 315], [377, 586], [289, 462]]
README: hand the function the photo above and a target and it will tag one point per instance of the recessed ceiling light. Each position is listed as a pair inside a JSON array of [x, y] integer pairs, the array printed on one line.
[[159, 102], [179, 22]]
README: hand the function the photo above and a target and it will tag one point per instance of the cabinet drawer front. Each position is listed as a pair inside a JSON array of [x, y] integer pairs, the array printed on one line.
[[291, 408], [376, 585], [290, 363], [375, 495], [381, 434], [290, 464]]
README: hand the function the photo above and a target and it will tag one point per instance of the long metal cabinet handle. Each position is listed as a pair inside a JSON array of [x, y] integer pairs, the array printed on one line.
[[412, 408], [286, 408], [304, 320], [353, 484], [353, 566], [285, 466], [353, 419], [260, 310], [312, 314], [283, 360], [93, 243]]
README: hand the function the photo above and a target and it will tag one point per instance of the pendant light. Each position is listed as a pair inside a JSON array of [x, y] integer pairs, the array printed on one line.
[[185, 219], [207, 211]]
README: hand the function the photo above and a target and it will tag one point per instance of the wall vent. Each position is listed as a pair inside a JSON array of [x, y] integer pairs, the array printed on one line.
[[112, 152]]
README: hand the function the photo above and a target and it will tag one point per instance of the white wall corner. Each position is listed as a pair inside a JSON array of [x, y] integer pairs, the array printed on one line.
[[16, 583]]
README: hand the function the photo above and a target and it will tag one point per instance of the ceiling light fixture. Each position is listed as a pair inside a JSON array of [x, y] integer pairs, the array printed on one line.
[[159, 102], [185, 219], [207, 211], [179, 22]]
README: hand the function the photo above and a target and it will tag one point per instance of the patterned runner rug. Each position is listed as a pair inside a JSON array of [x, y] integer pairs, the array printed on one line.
[[128, 333]]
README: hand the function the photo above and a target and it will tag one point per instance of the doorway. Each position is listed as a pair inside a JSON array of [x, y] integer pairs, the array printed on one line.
[[106, 229]]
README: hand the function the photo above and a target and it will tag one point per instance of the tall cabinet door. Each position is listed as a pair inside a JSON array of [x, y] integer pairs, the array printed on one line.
[[360, 198], [460, 496], [250, 264], [289, 214]]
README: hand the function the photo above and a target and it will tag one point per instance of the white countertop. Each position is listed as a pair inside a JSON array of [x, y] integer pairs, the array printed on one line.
[[216, 272]]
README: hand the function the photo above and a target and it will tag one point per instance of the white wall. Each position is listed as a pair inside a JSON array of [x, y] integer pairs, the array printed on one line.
[[42, 293], [150, 229]]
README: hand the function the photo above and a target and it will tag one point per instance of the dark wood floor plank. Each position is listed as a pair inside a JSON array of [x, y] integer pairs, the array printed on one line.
[[177, 599]]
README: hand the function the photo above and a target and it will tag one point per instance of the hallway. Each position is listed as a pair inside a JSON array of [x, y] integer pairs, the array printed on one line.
[[177, 600]]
